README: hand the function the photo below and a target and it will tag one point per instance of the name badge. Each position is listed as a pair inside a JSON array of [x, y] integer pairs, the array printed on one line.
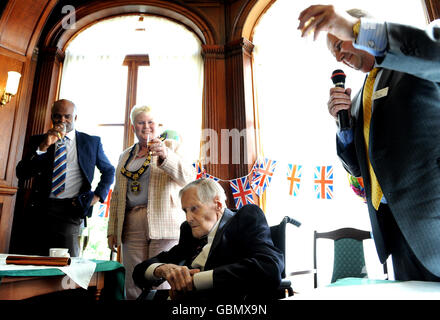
[[380, 93]]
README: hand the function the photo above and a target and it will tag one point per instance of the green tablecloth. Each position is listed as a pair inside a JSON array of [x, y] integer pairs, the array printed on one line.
[[114, 276]]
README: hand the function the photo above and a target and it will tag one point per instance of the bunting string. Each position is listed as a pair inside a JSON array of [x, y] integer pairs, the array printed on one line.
[[258, 180]]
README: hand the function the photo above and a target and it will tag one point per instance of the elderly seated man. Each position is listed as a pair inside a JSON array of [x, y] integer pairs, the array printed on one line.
[[221, 253]]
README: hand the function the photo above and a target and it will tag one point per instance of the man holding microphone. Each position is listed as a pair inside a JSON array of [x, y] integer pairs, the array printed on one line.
[[394, 138]]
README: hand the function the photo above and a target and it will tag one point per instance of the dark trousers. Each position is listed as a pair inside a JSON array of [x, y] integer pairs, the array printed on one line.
[[60, 227], [406, 265]]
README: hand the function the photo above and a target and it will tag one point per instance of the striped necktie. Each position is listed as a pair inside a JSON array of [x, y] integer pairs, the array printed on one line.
[[376, 191], [59, 169]]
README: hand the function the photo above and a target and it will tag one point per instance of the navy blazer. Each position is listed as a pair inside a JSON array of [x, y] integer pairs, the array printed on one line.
[[40, 167], [242, 255], [404, 142]]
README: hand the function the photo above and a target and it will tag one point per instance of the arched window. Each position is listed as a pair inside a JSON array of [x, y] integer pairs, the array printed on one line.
[[292, 80], [119, 62]]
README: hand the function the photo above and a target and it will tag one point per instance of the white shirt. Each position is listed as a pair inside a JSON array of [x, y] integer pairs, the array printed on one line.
[[202, 280], [74, 176]]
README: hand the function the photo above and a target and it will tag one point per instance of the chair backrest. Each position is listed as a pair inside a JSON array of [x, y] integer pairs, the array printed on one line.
[[278, 234], [349, 258]]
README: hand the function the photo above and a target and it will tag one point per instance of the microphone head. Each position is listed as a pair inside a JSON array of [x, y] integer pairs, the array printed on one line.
[[338, 77]]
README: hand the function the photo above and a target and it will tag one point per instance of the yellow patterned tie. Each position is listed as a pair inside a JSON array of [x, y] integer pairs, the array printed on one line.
[[376, 191]]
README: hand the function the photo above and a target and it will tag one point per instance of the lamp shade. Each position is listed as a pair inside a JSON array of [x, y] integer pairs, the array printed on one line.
[[12, 83]]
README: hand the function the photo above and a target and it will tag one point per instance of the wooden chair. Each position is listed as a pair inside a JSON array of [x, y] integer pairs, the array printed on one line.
[[349, 260]]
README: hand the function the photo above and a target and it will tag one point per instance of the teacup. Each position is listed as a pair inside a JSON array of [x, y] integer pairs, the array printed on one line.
[[59, 252]]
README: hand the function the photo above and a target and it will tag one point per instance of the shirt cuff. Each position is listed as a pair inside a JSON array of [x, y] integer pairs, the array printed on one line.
[[345, 136], [372, 37], [39, 152], [149, 273], [204, 280]]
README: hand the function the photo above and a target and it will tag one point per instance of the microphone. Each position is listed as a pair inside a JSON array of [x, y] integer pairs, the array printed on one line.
[[338, 78]]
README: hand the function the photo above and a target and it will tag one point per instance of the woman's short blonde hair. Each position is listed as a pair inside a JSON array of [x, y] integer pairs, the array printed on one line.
[[138, 109]]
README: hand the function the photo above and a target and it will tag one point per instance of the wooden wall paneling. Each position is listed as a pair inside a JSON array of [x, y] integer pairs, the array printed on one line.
[[214, 14], [20, 28], [21, 116], [7, 219], [240, 104], [433, 9], [2, 7], [7, 114], [45, 91], [9, 61], [89, 12], [9, 192], [18, 23], [38, 121], [214, 116], [236, 12], [244, 23], [6, 207], [214, 109], [21, 23], [228, 104]]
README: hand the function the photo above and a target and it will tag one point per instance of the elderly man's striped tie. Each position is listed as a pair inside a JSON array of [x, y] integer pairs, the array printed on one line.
[[59, 170]]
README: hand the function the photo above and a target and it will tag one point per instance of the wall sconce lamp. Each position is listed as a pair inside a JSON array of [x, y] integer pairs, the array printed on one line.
[[11, 87]]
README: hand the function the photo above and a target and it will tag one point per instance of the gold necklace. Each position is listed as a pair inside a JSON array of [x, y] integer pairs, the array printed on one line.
[[135, 186]]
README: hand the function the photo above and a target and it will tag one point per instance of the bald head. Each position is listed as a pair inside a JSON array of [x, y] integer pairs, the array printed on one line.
[[64, 111]]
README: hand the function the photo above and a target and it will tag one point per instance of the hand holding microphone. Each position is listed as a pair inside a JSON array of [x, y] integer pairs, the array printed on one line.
[[340, 100]]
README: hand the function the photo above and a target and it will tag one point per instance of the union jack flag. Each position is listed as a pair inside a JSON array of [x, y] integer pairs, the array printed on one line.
[[104, 208], [201, 172], [324, 182], [262, 175], [241, 191], [208, 176], [294, 173]]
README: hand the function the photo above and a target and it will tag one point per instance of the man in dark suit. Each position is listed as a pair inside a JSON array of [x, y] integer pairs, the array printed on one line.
[[221, 253], [393, 142], [62, 164]]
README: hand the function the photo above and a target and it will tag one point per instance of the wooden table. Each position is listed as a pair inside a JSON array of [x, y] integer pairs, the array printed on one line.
[[23, 287]]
